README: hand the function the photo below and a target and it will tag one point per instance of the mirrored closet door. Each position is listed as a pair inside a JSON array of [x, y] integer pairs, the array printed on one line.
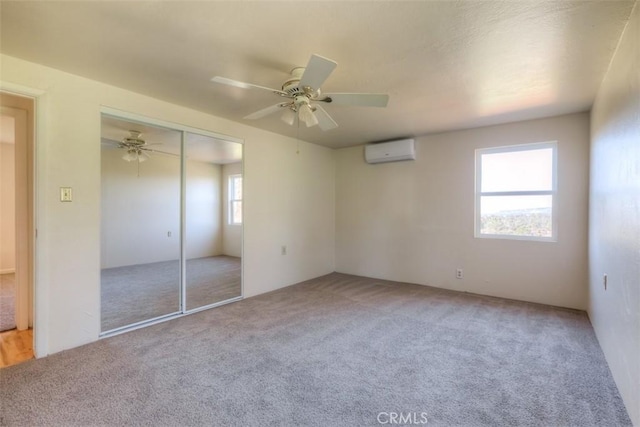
[[213, 236], [171, 226]]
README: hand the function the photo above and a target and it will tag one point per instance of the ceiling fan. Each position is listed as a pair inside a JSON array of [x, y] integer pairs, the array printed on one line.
[[303, 95], [137, 148]]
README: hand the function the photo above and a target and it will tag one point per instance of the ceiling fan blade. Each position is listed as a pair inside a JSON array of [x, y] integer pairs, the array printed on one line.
[[325, 122], [317, 71], [358, 99], [243, 85], [109, 141], [265, 111], [160, 152]]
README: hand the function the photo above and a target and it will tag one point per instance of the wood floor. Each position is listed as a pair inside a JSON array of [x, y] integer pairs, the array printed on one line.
[[15, 347]]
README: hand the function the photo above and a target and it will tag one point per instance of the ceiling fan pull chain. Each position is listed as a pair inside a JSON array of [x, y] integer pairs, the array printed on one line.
[[298, 134]]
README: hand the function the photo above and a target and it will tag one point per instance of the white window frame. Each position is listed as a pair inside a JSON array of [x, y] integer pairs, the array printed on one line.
[[232, 179], [553, 192]]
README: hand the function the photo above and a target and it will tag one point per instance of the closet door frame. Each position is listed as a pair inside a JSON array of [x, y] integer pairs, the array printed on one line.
[[183, 129]]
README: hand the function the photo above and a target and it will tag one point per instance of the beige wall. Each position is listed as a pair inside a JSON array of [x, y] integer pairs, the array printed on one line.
[[414, 221], [203, 209], [293, 204], [614, 227], [278, 208], [138, 212], [7, 209], [231, 234]]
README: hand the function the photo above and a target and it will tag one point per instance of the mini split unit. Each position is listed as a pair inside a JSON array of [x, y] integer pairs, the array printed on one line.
[[392, 151]]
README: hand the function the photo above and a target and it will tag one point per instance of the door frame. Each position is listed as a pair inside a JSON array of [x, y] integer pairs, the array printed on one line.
[[30, 304], [21, 246]]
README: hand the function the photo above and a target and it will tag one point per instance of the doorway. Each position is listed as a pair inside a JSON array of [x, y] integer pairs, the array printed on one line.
[[16, 228], [166, 248]]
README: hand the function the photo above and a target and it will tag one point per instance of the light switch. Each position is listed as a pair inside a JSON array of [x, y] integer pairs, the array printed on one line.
[[66, 194]]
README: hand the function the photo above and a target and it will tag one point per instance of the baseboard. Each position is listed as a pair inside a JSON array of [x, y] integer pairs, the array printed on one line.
[[8, 271]]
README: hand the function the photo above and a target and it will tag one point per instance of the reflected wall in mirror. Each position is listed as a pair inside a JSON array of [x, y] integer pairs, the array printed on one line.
[[167, 245], [212, 243]]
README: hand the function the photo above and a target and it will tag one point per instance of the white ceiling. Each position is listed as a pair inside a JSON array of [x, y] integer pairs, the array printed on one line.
[[446, 65]]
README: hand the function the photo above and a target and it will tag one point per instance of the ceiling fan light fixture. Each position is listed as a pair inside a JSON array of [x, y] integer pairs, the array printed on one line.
[[142, 156], [130, 156], [312, 120], [307, 116], [289, 116]]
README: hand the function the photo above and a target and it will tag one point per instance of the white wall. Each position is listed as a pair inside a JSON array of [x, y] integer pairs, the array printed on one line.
[[138, 212], [414, 221], [232, 233], [203, 209], [289, 198], [614, 225], [7, 209]]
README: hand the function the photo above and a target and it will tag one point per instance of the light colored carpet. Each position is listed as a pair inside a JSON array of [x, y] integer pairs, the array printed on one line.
[[141, 292], [138, 292], [334, 351], [7, 302], [213, 279]]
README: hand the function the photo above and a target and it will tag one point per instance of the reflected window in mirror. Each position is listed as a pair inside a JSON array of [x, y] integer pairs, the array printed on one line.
[[235, 199]]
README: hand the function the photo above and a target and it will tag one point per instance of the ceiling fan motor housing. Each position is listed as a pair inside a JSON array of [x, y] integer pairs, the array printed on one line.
[[292, 89], [134, 139], [290, 86]]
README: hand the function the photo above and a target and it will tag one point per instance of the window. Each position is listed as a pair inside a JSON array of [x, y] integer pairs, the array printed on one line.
[[235, 199], [516, 192]]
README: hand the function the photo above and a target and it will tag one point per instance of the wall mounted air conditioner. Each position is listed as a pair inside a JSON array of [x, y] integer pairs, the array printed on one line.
[[392, 151]]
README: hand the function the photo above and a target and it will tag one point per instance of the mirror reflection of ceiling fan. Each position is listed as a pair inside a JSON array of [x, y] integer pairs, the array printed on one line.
[[303, 95], [137, 148]]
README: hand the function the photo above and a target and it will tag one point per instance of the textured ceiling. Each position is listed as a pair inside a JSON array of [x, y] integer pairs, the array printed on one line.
[[446, 65]]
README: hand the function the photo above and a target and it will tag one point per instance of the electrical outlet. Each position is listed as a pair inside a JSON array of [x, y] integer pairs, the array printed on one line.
[[283, 250], [604, 281], [459, 273]]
